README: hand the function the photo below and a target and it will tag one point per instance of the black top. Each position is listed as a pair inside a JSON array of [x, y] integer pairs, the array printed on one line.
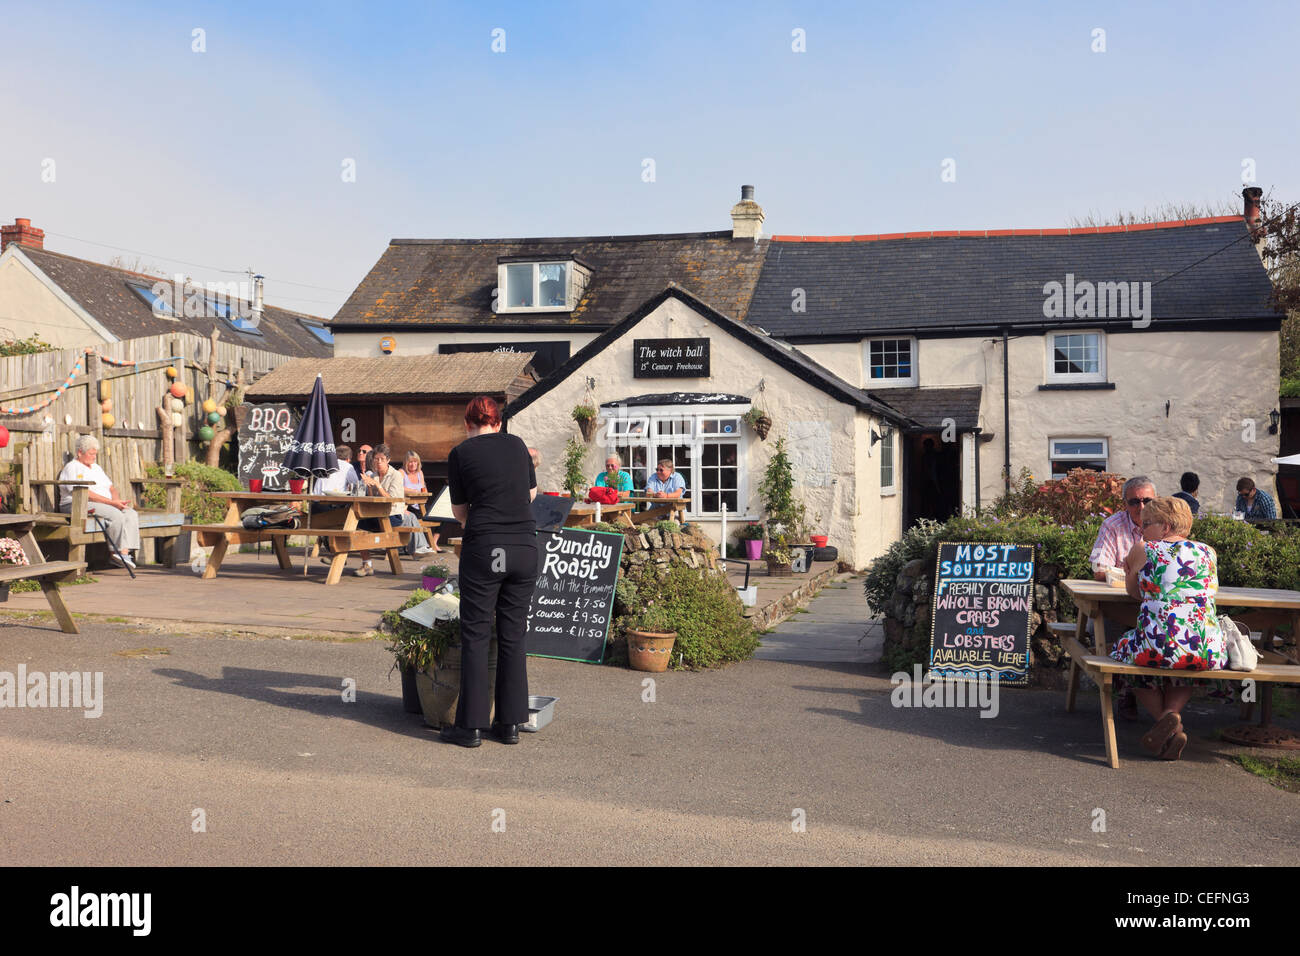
[[1191, 502], [493, 474]]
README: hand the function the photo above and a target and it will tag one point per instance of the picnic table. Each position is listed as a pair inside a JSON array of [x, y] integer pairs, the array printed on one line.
[[48, 573], [673, 509], [1267, 609], [584, 514], [338, 526]]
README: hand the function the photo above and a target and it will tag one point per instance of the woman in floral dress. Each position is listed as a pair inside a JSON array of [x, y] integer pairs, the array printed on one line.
[[1177, 628]]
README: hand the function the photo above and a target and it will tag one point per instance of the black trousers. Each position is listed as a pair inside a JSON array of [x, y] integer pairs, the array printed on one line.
[[495, 579]]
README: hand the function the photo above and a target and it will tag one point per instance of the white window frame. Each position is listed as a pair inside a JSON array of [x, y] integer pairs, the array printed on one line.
[[650, 439], [910, 382], [1072, 378], [887, 441], [1052, 456], [502, 296]]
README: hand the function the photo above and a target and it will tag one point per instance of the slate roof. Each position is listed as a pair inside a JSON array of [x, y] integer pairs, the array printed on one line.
[[789, 358], [449, 282], [955, 283], [930, 406], [423, 376], [106, 293]]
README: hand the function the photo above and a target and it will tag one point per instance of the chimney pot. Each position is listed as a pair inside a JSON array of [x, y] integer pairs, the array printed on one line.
[[22, 233], [747, 216], [1251, 211]]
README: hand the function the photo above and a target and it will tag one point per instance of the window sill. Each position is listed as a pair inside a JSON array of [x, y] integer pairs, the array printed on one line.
[[888, 492], [525, 310], [1077, 387], [891, 383]]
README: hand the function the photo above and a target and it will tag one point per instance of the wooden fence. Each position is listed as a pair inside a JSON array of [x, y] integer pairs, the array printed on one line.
[[42, 441]]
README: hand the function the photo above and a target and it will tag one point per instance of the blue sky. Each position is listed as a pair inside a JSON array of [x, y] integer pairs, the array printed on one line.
[[232, 158]]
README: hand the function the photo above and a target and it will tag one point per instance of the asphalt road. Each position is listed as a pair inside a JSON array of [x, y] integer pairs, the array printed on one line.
[[256, 735]]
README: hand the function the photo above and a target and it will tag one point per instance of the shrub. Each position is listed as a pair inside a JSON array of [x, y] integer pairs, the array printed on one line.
[[668, 527], [196, 494], [574, 478], [1248, 557], [777, 489], [751, 532], [583, 413], [1080, 494], [413, 644], [918, 541], [704, 611], [29, 346]]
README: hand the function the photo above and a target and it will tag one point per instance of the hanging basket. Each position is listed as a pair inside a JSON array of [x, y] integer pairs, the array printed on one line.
[[762, 426], [588, 428]]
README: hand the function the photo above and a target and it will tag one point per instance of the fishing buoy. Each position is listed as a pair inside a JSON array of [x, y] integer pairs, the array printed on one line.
[[221, 411], [106, 405], [209, 406], [213, 418], [105, 390], [189, 395], [206, 433], [175, 404], [108, 420], [4, 436], [177, 419], [171, 372], [177, 390]]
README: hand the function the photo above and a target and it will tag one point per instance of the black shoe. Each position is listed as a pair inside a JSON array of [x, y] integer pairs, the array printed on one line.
[[460, 735], [506, 733]]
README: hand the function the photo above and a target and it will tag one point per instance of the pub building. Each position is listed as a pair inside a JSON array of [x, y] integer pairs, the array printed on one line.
[[673, 380]]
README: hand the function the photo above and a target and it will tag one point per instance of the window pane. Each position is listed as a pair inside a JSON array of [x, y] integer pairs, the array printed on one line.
[[519, 286], [709, 454], [551, 287], [1092, 448], [733, 501], [709, 501]]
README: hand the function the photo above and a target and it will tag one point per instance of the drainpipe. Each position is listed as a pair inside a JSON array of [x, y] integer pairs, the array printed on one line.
[[977, 470], [1006, 412]]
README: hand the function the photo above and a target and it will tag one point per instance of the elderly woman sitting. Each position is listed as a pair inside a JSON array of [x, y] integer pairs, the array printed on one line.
[[1177, 628], [122, 523]]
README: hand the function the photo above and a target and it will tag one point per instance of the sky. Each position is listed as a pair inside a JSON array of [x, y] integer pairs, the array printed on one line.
[[297, 139]]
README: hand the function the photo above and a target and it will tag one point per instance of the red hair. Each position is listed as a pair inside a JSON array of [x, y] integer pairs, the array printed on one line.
[[482, 411]]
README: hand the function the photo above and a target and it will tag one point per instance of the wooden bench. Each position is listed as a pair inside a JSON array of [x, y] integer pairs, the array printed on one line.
[[47, 573], [78, 529]]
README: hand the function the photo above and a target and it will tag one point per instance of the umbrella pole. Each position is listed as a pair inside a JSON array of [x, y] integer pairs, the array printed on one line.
[[306, 548]]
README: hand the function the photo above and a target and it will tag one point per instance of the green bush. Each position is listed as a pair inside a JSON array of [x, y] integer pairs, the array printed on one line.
[[704, 611], [1248, 557], [668, 527], [413, 644], [196, 494]]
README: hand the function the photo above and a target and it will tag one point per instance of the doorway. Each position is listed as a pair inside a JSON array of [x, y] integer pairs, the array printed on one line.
[[931, 477]]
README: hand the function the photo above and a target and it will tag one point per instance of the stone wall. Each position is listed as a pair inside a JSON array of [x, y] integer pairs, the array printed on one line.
[[908, 616]]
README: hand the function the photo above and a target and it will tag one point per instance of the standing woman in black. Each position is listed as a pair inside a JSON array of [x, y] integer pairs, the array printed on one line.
[[492, 485]]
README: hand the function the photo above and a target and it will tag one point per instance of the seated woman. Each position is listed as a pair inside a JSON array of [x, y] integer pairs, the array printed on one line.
[[413, 482], [115, 510], [384, 482], [1177, 628]]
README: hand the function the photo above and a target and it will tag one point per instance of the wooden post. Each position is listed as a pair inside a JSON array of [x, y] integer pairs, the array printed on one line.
[[94, 418]]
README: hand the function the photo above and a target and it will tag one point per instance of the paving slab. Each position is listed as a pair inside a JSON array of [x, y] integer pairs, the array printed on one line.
[[834, 627]]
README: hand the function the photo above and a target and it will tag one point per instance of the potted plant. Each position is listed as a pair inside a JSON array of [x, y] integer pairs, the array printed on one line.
[[585, 416], [818, 540], [752, 535], [575, 481], [11, 555], [431, 655], [779, 556], [758, 420], [650, 639], [434, 576]]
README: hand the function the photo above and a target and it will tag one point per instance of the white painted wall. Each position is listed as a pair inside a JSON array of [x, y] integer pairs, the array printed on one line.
[[1213, 381], [28, 307], [845, 487]]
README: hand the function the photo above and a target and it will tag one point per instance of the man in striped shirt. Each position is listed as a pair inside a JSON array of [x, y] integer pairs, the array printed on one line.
[[1123, 529]]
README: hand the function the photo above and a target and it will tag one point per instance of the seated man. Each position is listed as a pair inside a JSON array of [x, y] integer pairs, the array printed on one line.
[[1190, 484], [1254, 504], [121, 522], [614, 477], [340, 481], [665, 482], [1123, 529]]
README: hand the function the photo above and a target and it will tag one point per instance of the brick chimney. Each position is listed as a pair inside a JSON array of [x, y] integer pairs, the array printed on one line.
[[22, 233], [746, 216], [1251, 212]]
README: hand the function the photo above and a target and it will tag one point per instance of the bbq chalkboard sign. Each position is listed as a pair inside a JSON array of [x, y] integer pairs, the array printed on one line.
[[574, 596], [265, 432], [982, 612]]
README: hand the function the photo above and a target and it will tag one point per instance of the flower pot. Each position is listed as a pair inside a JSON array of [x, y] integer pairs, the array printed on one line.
[[410, 692], [820, 539], [431, 584], [753, 548], [762, 426], [439, 689], [649, 650], [779, 570], [588, 428]]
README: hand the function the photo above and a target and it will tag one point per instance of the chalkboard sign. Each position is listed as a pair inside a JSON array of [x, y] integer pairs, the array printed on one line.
[[265, 432], [983, 608], [670, 358], [574, 596]]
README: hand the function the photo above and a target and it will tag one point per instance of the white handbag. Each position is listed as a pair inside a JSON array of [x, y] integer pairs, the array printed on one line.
[[1242, 655]]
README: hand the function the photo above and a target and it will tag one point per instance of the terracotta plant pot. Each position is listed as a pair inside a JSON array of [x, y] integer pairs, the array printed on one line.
[[439, 689], [753, 548], [649, 651], [820, 539], [588, 428]]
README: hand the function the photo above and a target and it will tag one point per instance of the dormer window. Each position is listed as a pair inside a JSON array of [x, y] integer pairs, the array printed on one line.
[[546, 285]]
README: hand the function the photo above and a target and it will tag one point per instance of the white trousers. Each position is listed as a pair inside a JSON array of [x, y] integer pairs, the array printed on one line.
[[123, 525]]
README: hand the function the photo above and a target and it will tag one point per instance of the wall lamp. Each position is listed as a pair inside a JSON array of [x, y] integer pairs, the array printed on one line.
[[1273, 418]]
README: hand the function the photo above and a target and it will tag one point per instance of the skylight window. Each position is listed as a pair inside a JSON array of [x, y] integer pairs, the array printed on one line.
[[322, 333], [157, 304]]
